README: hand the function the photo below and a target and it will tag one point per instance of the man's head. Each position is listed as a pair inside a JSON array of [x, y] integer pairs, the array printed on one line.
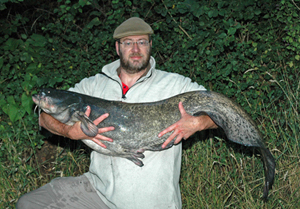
[[133, 44]]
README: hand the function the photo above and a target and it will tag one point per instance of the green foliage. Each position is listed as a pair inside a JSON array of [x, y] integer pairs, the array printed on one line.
[[3, 6], [247, 50]]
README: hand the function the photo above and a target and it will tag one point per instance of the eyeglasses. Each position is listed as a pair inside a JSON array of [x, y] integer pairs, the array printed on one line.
[[141, 43]]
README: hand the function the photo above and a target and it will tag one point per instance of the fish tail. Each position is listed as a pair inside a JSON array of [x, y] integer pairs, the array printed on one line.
[[269, 167]]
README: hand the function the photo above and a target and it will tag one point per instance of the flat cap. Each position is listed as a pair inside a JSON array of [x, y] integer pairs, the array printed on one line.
[[132, 26]]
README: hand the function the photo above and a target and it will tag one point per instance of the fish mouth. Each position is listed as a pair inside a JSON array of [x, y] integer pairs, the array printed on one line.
[[35, 99], [38, 98]]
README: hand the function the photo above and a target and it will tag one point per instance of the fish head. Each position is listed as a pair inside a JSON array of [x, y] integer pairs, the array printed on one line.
[[52, 101]]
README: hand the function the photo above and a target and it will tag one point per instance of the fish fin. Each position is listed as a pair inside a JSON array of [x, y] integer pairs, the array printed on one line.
[[133, 156], [139, 155], [87, 125], [269, 167], [135, 160]]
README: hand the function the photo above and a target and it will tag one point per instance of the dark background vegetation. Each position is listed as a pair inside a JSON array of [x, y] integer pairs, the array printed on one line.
[[245, 49]]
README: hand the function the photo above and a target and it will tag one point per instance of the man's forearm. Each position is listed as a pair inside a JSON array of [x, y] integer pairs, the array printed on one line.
[[74, 131], [53, 125], [56, 127]]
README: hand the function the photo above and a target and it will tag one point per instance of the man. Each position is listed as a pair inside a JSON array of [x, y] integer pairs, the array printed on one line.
[[114, 182]]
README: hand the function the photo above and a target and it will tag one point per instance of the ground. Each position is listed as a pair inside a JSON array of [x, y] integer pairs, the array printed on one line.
[[52, 157]]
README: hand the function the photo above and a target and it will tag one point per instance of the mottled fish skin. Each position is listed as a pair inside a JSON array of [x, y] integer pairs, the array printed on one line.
[[137, 124]]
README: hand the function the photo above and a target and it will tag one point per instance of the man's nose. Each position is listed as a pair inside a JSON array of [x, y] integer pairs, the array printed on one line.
[[135, 47]]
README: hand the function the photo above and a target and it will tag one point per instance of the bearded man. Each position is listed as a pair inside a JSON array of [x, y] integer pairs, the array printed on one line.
[[114, 182]]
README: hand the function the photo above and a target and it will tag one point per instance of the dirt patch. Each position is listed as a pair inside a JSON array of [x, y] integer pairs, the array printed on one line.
[[47, 157], [58, 154]]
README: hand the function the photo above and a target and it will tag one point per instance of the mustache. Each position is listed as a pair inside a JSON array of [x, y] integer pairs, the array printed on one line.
[[136, 54]]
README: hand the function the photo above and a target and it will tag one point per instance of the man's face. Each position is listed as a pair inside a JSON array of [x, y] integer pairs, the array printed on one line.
[[135, 57]]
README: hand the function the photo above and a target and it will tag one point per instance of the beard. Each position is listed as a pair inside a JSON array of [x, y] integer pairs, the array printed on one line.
[[135, 67]]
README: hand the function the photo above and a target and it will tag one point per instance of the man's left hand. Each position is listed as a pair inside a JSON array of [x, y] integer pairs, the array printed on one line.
[[186, 126]]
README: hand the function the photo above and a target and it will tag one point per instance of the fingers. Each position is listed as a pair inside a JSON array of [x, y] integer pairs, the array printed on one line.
[[175, 125], [98, 142], [179, 137], [106, 129], [169, 139], [101, 118], [181, 109], [169, 129], [100, 130], [100, 138], [88, 111], [98, 120], [173, 128]]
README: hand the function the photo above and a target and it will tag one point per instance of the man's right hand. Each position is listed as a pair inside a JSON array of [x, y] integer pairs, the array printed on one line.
[[74, 132]]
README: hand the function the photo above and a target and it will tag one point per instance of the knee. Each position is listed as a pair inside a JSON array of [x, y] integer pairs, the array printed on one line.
[[23, 202]]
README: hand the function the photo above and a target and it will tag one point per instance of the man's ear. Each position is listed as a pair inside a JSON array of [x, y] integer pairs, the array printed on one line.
[[117, 47]]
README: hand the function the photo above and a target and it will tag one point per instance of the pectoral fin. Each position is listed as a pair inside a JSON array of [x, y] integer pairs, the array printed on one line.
[[87, 126]]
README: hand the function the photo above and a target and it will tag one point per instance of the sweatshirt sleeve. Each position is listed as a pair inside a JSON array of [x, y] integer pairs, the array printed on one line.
[[191, 86], [85, 86]]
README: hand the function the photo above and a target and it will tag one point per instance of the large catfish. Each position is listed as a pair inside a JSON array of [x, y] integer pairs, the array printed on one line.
[[137, 124]]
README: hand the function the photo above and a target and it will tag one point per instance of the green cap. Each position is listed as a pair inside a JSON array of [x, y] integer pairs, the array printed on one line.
[[132, 26]]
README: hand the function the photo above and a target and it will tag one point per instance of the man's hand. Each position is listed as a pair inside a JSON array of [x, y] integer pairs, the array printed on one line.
[[186, 126], [74, 132]]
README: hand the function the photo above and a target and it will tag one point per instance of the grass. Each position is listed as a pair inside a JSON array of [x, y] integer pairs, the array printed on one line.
[[218, 175], [215, 173], [21, 172]]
